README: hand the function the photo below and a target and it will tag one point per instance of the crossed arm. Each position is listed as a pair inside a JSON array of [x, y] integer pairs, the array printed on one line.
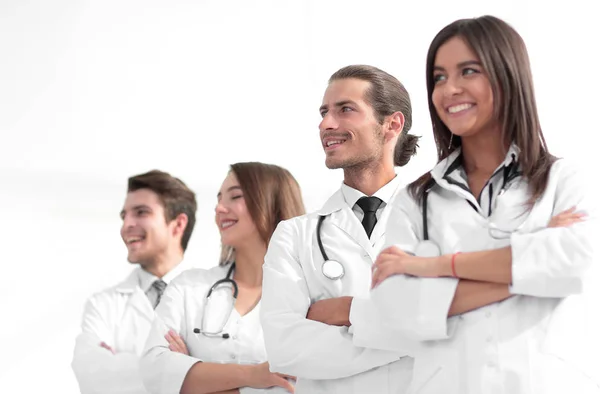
[[484, 277]]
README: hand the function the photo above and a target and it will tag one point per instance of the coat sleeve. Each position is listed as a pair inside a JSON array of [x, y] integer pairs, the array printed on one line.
[[410, 309], [295, 345], [552, 262], [97, 370], [163, 371]]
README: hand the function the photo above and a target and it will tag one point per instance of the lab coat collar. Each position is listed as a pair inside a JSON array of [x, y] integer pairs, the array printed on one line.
[[146, 279], [451, 163], [138, 298], [341, 215], [138, 278], [347, 196], [335, 203]]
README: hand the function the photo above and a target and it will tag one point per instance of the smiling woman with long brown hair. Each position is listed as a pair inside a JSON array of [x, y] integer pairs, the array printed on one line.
[[509, 228]]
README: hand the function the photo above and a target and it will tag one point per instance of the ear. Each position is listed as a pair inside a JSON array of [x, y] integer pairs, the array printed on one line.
[[395, 125], [179, 224]]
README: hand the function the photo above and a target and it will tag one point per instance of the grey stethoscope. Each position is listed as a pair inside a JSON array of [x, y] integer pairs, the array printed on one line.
[[333, 269], [217, 331]]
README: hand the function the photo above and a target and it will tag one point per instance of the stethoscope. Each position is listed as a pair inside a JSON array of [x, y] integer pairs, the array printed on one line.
[[227, 279], [428, 248], [333, 269]]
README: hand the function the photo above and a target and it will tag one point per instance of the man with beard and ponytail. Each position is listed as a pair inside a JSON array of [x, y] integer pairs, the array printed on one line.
[[158, 219], [317, 264]]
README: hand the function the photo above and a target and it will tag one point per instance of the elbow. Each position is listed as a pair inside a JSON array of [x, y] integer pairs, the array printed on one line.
[[556, 271], [418, 328], [150, 372], [281, 357], [419, 310]]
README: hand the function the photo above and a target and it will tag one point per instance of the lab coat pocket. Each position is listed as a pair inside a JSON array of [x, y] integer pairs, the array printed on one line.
[[435, 371], [423, 379]]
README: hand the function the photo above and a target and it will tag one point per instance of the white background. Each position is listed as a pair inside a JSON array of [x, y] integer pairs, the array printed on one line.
[[92, 92]]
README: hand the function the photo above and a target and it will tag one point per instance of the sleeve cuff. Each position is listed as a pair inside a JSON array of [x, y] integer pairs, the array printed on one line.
[[417, 307]]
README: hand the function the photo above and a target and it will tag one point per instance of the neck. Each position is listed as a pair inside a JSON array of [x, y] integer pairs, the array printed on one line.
[[369, 179], [162, 265], [248, 264], [483, 152]]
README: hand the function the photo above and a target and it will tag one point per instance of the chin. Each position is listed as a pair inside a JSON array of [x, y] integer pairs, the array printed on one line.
[[333, 164]]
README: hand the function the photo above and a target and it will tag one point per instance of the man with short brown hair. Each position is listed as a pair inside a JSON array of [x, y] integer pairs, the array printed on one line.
[[158, 220]]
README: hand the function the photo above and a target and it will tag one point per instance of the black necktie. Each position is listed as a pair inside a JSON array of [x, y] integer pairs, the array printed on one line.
[[159, 285], [369, 205]]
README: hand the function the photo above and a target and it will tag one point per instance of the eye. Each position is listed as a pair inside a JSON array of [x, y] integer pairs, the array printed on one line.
[[323, 113], [438, 78], [236, 196], [347, 109], [141, 212], [470, 71]]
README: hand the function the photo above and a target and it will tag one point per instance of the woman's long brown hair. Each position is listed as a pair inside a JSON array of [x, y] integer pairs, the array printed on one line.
[[503, 55]]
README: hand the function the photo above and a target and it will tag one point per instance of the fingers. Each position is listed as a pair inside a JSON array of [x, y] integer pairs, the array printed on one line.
[[384, 270], [393, 250], [179, 341], [282, 382], [567, 218], [176, 344], [287, 376], [105, 346]]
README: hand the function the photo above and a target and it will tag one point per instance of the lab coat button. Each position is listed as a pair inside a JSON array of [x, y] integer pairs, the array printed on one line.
[[489, 339], [488, 314], [234, 337], [233, 356]]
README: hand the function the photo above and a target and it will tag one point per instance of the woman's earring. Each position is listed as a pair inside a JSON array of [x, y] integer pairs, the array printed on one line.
[[450, 144]]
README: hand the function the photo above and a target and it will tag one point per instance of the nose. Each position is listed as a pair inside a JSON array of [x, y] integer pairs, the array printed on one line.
[[329, 122], [452, 87], [128, 222], [220, 208]]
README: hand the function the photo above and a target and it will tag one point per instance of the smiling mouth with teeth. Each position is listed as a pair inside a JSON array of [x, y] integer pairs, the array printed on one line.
[[227, 223], [334, 143], [459, 108], [132, 240]]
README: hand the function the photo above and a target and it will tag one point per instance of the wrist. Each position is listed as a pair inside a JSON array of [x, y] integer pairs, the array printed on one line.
[[247, 375], [444, 265], [345, 318]]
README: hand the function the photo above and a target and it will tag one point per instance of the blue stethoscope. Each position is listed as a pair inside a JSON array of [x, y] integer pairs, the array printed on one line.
[[333, 269]]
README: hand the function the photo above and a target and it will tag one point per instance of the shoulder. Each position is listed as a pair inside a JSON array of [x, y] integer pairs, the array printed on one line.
[[567, 173], [124, 288], [194, 277], [404, 201], [295, 225]]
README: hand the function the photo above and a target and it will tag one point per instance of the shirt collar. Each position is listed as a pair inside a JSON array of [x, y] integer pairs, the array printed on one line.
[[386, 192], [454, 162], [146, 278]]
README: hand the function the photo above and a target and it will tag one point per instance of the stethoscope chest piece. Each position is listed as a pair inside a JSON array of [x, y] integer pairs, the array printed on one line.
[[427, 248], [332, 269]]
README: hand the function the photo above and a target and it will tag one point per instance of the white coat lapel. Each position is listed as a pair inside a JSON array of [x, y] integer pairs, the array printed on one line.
[[341, 216], [377, 237], [137, 297]]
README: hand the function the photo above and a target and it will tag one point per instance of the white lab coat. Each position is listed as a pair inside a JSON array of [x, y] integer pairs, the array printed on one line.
[[323, 357], [181, 309], [119, 316], [543, 340]]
